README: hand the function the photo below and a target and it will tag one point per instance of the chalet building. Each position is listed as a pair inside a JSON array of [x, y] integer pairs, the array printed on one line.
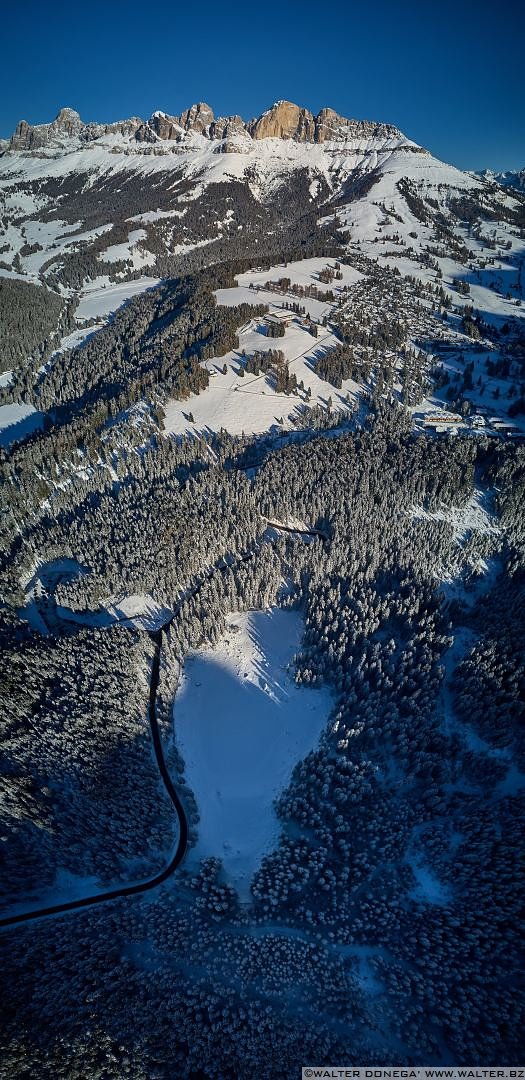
[[279, 318], [442, 421]]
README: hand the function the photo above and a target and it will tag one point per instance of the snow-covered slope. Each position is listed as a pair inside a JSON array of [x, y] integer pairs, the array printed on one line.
[[116, 200], [99, 213]]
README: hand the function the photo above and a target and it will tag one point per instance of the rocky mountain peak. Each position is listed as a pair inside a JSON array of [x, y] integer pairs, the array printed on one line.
[[68, 120], [284, 120], [197, 118], [32, 137]]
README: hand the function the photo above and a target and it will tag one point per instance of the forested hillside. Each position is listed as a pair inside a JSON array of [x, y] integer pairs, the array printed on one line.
[[268, 379]]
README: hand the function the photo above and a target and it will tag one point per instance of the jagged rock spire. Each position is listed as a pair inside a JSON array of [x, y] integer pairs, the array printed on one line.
[[284, 120]]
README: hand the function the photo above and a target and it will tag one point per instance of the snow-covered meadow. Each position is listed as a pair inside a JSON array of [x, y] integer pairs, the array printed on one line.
[[102, 297], [305, 272], [18, 420], [241, 724], [250, 404]]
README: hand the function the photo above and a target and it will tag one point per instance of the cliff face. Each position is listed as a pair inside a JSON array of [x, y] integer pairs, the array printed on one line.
[[27, 137], [68, 125], [287, 121], [283, 121]]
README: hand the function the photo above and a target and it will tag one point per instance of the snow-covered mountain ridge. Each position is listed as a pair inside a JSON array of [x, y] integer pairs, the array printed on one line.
[[505, 179], [95, 215], [175, 193], [283, 120]]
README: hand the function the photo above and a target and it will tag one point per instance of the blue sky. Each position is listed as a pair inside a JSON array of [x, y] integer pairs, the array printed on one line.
[[449, 74]]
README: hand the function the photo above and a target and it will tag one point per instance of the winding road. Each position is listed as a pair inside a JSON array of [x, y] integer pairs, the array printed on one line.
[[180, 850], [182, 845]]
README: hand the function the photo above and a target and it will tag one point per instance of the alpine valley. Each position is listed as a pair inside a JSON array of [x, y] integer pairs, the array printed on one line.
[[262, 572]]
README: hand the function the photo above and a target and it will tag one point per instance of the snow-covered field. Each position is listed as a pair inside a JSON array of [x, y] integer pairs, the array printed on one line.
[[305, 272], [129, 250], [18, 420], [302, 272], [241, 724], [428, 887], [99, 300], [242, 294], [250, 404], [103, 297], [136, 610], [475, 516]]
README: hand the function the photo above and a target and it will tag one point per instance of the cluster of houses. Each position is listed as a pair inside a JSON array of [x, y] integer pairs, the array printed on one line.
[[449, 421]]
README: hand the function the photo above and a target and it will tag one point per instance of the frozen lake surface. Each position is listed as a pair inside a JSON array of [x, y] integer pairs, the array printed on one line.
[[241, 725]]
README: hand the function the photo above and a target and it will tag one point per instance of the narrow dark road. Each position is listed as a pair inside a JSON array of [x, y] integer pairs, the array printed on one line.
[[178, 856], [180, 851]]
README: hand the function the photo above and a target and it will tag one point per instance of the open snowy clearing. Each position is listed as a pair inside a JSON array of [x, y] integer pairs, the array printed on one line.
[[305, 272], [241, 724], [18, 420], [72, 341], [104, 297], [475, 516], [242, 294], [128, 250], [250, 404], [428, 888], [99, 300], [137, 610]]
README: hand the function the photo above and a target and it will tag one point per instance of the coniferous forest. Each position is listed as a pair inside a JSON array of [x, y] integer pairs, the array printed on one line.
[[253, 407]]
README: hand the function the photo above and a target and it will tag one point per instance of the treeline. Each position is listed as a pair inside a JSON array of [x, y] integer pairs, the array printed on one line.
[[82, 794], [226, 221], [152, 349], [30, 316]]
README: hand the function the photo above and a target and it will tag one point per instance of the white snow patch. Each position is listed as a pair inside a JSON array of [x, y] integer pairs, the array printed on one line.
[[139, 610], [130, 250], [305, 272], [136, 610], [102, 297], [71, 341], [251, 404], [241, 725], [18, 420], [473, 517], [428, 887]]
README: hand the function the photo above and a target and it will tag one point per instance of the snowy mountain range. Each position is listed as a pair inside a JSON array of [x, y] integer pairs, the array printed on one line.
[[505, 179], [284, 121]]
